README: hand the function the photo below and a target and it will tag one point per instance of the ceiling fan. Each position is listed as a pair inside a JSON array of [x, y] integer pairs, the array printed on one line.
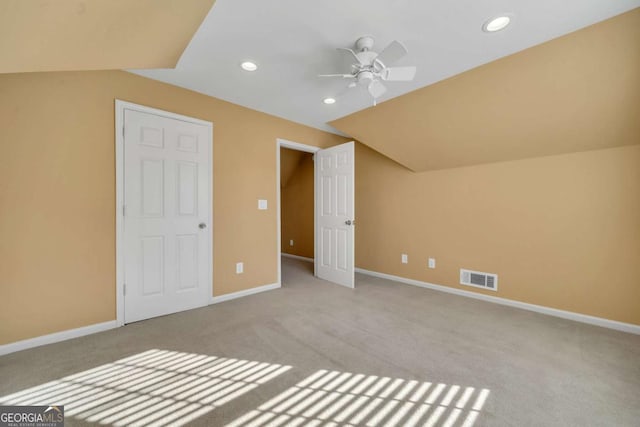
[[371, 68]]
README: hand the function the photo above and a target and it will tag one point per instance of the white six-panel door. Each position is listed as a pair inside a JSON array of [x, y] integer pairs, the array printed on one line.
[[334, 170], [167, 203]]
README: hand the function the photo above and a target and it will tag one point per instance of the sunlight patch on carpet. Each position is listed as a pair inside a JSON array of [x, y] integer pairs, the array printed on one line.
[[332, 398], [157, 387]]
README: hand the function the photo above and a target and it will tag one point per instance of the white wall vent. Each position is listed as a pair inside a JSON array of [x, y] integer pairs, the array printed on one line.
[[479, 279]]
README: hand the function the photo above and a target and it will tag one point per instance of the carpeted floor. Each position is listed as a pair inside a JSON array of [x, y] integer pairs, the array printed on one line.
[[314, 353]]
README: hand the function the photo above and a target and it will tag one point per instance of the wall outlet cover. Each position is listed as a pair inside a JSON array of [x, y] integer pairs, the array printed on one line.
[[239, 267], [405, 259], [432, 263], [262, 204], [291, 242]]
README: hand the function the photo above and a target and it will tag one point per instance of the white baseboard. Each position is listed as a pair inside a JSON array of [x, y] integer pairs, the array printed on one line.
[[56, 337], [244, 293], [583, 318], [100, 327], [302, 258]]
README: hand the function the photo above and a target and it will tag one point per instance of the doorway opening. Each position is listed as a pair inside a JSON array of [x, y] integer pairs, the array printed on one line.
[[333, 209], [296, 205]]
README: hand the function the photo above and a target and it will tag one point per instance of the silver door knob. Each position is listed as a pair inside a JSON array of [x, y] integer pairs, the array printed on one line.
[[348, 222], [202, 225]]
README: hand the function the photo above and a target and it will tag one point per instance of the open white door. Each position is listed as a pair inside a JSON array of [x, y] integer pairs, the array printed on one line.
[[167, 212], [334, 170]]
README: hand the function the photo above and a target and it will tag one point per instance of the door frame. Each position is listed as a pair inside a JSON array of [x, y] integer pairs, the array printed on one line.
[[120, 107], [283, 143]]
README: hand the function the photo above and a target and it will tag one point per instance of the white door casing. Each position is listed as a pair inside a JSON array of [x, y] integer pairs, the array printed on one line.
[[283, 143], [334, 176], [166, 227]]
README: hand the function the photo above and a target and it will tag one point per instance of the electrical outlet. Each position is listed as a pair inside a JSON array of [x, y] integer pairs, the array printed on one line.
[[239, 267], [405, 259], [291, 242], [432, 263], [262, 204]]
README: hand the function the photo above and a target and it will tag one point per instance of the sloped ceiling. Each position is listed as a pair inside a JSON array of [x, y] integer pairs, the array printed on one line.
[[289, 162], [292, 41], [59, 35], [578, 92]]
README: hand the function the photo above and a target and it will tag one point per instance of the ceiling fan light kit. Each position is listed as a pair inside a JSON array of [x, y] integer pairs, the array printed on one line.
[[370, 69]]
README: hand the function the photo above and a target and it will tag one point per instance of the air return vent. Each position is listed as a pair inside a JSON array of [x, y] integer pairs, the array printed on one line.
[[479, 279]]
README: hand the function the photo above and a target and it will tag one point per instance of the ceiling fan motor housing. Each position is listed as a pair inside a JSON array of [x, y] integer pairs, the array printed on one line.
[[367, 57], [365, 77]]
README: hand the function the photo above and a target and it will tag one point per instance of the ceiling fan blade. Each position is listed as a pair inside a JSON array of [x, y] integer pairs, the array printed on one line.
[[344, 76], [392, 53], [355, 55], [376, 89], [399, 74]]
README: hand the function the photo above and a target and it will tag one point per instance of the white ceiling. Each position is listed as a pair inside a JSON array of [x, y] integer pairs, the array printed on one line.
[[294, 40]]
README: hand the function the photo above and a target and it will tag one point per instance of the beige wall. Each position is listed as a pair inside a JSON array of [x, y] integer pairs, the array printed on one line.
[[560, 231], [297, 208], [57, 193]]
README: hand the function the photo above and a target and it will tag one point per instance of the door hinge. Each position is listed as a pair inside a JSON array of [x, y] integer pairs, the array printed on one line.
[[124, 289], [124, 210], [122, 130]]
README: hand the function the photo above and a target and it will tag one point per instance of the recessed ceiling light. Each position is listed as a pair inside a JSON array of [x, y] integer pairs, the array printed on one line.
[[496, 24], [329, 101], [249, 66]]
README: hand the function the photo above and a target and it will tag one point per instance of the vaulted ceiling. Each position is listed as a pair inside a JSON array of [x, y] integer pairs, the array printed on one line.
[[58, 35], [477, 97], [289, 162], [575, 93], [293, 41], [561, 78]]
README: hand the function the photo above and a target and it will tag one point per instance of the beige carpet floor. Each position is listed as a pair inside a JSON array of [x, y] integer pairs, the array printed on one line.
[[314, 353]]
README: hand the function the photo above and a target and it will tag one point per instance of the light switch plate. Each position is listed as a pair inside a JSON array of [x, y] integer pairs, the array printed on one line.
[[432, 263], [262, 204], [405, 259]]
